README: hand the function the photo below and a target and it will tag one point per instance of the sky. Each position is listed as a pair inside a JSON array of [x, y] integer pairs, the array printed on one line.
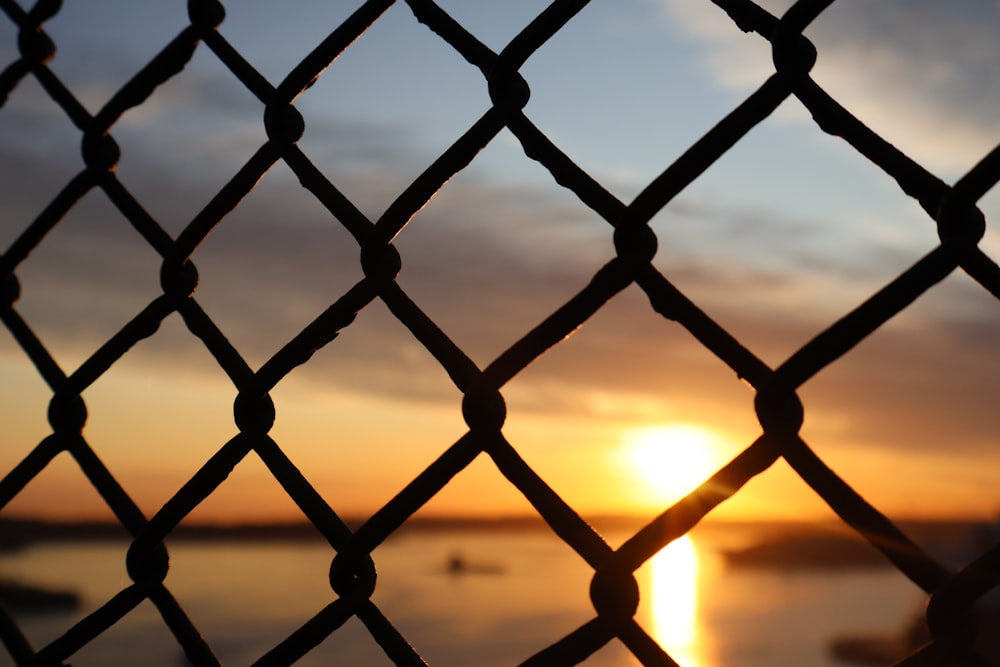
[[786, 233]]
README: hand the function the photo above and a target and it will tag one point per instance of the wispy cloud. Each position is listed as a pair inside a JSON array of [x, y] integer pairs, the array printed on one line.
[[922, 74]]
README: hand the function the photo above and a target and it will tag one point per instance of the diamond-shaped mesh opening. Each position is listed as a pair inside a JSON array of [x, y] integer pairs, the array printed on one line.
[[193, 134], [287, 582], [391, 78], [945, 121], [152, 452], [96, 56], [243, 281], [479, 280], [141, 630], [584, 413], [787, 239], [331, 434], [38, 170], [436, 583], [88, 280], [585, 70]]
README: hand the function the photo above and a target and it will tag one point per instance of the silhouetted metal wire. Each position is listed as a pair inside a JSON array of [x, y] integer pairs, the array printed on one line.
[[614, 590]]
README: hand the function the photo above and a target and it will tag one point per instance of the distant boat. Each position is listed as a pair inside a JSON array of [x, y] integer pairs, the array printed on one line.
[[458, 565]]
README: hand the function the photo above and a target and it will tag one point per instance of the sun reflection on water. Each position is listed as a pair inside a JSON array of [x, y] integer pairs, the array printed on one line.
[[674, 602]]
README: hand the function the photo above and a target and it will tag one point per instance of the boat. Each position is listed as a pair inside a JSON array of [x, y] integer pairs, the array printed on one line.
[[458, 565]]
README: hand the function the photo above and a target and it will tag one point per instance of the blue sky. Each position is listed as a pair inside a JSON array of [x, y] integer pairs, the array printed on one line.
[[786, 233]]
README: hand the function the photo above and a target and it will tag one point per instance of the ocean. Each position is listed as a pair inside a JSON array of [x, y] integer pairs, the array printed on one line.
[[515, 593]]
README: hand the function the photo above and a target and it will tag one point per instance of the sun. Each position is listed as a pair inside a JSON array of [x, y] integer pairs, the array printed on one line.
[[672, 460]]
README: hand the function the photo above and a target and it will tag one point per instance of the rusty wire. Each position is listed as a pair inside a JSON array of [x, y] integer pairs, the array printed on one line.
[[953, 209]]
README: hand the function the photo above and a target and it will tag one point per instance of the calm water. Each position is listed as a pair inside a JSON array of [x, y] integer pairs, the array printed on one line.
[[246, 597]]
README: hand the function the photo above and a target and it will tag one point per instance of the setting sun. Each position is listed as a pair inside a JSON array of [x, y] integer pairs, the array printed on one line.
[[672, 460]]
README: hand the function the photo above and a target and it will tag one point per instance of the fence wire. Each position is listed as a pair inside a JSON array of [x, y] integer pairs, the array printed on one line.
[[614, 592]]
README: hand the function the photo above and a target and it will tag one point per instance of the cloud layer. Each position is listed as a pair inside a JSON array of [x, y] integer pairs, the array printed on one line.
[[487, 262], [921, 73]]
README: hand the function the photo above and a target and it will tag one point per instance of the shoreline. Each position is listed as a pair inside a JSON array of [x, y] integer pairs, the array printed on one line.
[[763, 544]]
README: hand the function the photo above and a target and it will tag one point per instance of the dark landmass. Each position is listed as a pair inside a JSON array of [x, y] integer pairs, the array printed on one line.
[[773, 545], [21, 598], [889, 648], [873, 650], [812, 548], [20, 533], [17, 533], [812, 552]]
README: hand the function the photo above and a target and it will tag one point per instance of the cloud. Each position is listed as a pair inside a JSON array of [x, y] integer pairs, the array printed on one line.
[[920, 73], [488, 262], [914, 387]]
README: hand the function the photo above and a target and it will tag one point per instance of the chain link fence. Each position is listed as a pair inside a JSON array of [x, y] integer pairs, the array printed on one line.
[[952, 208]]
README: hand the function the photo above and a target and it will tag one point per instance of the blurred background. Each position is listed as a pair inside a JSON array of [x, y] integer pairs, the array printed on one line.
[[785, 234]]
